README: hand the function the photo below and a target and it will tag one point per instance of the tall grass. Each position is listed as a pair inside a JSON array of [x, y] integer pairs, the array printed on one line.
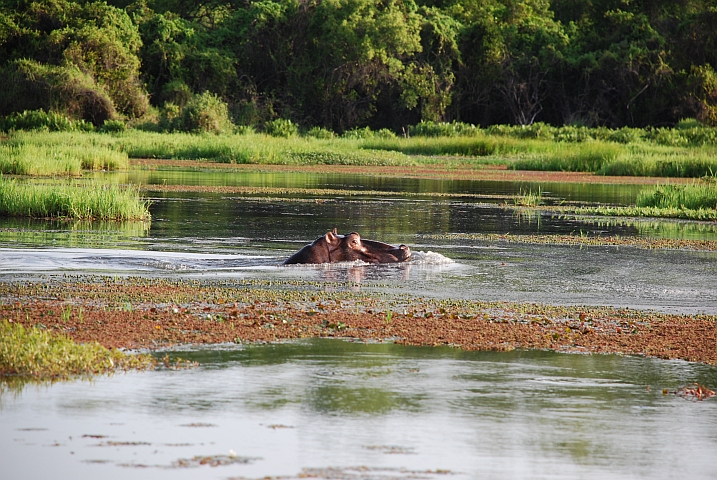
[[45, 153], [255, 149], [583, 157], [18, 158], [693, 197], [477, 145], [652, 161], [38, 353], [83, 202]]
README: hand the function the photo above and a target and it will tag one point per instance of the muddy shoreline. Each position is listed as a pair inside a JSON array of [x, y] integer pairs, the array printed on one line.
[[136, 313]]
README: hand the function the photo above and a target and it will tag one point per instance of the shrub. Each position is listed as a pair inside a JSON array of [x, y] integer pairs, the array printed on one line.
[[281, 128], [686, 123], [42, 120], [320, 133], [205, 113], [358, 133], [113, 126], [442, 129]]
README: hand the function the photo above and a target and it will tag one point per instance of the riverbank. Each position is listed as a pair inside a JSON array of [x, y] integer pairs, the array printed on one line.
[[139, 313]]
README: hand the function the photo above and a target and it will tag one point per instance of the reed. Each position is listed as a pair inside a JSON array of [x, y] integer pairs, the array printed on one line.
[[37, 353], [76, 201]]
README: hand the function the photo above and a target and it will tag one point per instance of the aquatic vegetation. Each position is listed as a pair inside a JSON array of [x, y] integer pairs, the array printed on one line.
[[358, 147], [244, 311], [37, 353], [694, 196], [529, 198], [85, 202], [582, 239]]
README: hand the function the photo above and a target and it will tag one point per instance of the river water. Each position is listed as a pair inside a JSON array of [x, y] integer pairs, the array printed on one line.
[[343, 410], [215, 236]]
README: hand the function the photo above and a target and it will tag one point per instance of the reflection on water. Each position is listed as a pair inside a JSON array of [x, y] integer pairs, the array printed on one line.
[[221, 236], [582, 192], [322, 403]]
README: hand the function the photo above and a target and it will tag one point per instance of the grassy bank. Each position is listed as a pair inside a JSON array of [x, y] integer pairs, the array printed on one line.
[[605, 152], [34, 352], [76, 201], [605, 158], [27, 154]]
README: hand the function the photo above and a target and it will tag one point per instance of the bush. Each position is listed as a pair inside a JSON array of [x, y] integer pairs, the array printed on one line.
[[113, 126], [442, 129], [358, 133], [42, 120], [281, 128], [205, 113], [320, 133]]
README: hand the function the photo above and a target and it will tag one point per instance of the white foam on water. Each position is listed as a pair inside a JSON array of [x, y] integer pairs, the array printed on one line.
[[429, 258]]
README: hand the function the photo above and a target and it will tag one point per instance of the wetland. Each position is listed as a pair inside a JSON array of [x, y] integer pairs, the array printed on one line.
[[518, 341]]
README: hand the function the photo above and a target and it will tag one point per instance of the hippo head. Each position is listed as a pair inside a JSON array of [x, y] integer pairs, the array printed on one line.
[[333, 247]]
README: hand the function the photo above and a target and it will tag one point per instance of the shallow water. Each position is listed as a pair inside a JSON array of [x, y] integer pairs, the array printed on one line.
[[286, 408], [214, 236]]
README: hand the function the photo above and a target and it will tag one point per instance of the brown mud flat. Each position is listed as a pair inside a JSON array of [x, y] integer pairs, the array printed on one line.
[[150, 314], [445, 171]]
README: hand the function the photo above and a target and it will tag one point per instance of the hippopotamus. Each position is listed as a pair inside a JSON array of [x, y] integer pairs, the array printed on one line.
[[333, 247]]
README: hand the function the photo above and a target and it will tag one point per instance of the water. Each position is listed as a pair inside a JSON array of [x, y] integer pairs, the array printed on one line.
[[214, 236], [289, 408]]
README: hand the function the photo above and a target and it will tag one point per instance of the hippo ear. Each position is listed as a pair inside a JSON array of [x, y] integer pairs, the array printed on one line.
[[332, 238], [336, 232]]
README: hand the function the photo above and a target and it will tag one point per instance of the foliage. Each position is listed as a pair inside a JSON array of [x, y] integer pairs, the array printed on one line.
[[79, 59], [205, 113], [347, 64], [113, 126], [38, 353], [42, 120], [281, 128]]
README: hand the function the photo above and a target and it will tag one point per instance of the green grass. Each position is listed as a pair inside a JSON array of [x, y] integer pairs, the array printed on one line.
[[571, 157], [692, 197], [37, 353], [474, 145], [25, 154], [688, 202], [531, 148], [90, 201]]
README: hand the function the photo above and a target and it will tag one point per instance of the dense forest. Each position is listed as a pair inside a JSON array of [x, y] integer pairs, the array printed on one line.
[[342, 64]]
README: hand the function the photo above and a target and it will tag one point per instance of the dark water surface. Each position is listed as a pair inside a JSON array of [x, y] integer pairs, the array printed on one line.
[[329, 407]]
